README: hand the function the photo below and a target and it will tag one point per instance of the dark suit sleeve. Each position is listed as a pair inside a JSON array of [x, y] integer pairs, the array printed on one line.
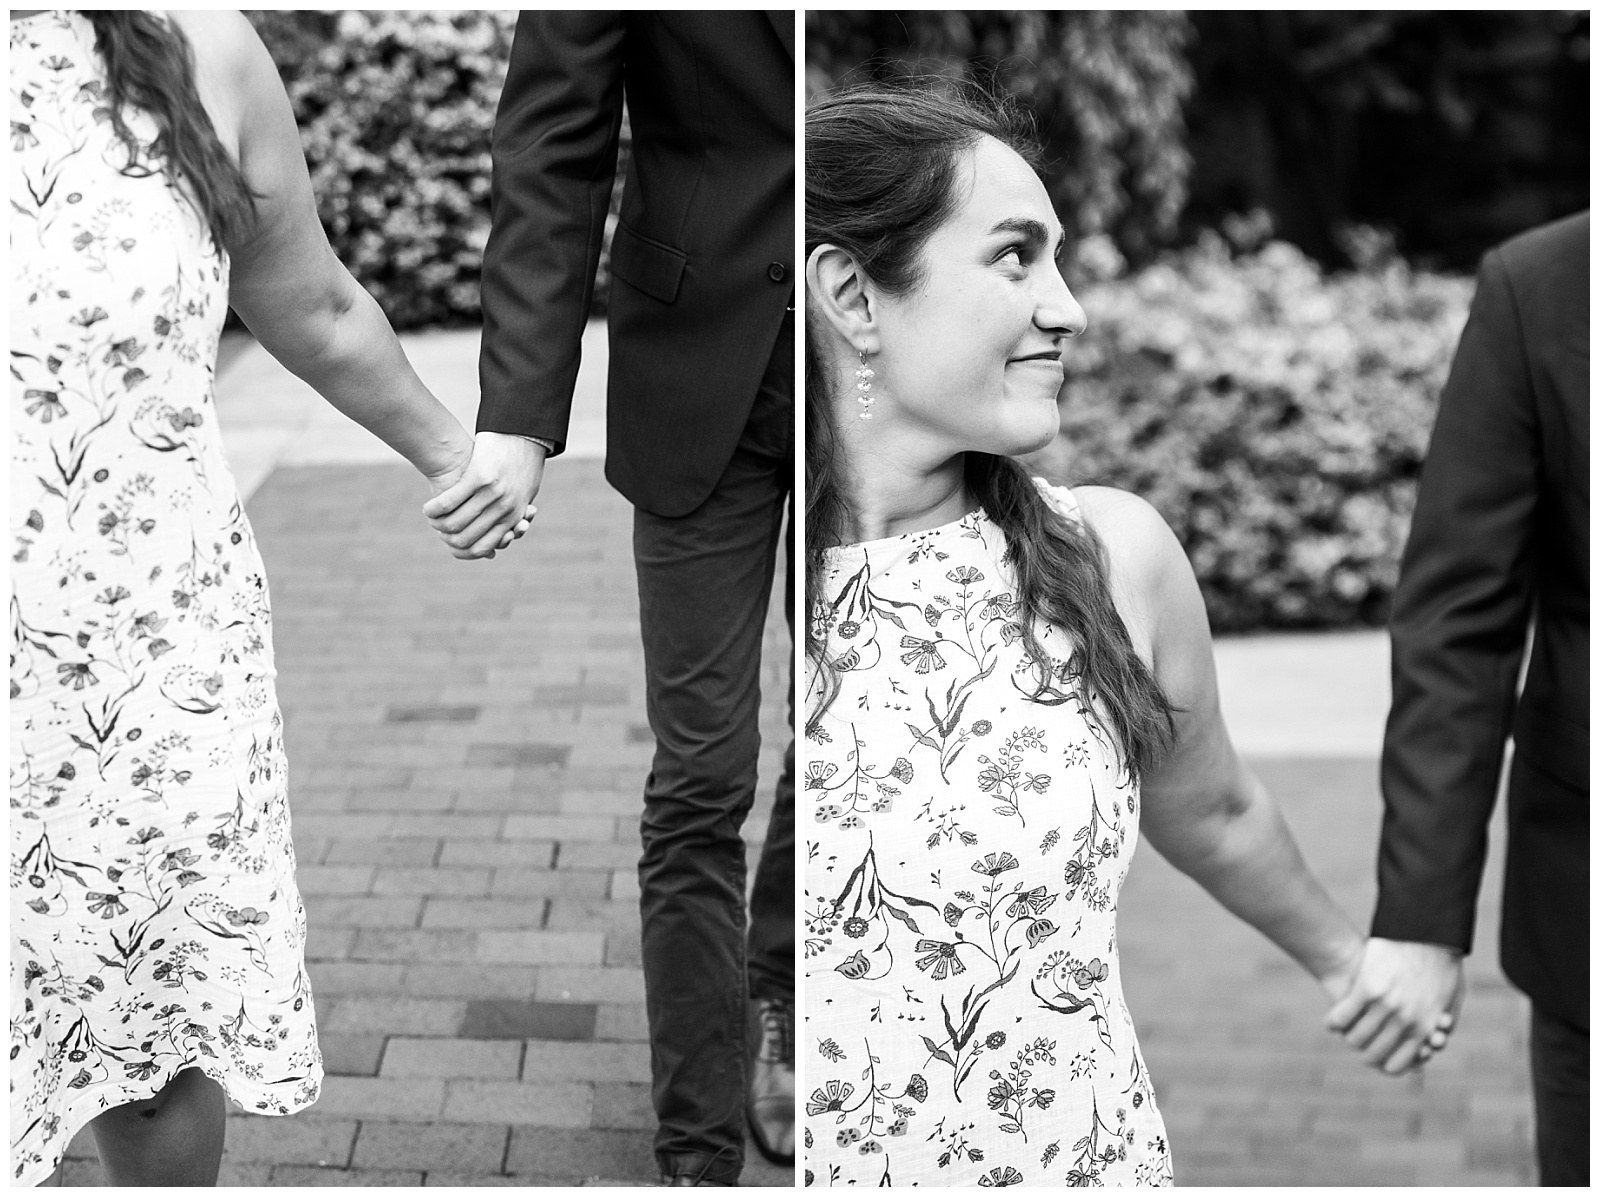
[[1460, 619], [554, 148]]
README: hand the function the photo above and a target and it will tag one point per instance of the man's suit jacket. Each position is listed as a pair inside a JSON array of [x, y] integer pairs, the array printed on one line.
[[1501, 531], [702, 260]]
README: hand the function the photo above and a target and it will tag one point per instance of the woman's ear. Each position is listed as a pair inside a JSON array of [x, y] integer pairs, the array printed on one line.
[[843, 296]]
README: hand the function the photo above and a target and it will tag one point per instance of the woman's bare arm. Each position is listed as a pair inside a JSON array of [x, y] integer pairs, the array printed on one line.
[[295, 296], [1204, 810]]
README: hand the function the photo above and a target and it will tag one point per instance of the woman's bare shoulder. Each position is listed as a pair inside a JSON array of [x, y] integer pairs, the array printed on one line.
[[231, 62], [1151, 578], [1137, 539], [244, 93], [216, 32]]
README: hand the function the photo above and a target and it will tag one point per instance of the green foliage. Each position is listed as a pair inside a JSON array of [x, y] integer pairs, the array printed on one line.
[[1453, 130], [1107, 89], [1275, 415], [395, 110]]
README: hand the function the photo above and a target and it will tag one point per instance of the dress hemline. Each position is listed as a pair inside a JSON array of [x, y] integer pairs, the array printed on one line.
[[78, 1114]]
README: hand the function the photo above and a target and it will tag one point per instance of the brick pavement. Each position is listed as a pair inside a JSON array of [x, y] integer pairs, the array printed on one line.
[[1253, 1090], [467, 743]]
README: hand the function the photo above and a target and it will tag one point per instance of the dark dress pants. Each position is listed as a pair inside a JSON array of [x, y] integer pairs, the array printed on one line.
[[1560, 1054], [705, 580]]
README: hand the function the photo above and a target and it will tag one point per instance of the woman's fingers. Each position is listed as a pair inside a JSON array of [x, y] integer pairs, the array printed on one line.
[[482, 525], [1361, 1034], [525, 522], [489, 534], [447, 500], [1382, 1044], [1421, 1048], [496, 514], [1343, 1013], [1407, 1051], [461, 517]]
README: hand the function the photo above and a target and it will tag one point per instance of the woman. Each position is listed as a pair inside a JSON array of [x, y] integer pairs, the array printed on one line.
[[1006, 681], [157, 957]]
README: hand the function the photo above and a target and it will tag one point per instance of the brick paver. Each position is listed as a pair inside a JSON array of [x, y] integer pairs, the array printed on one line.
[[467, 743], [1253, 1090]]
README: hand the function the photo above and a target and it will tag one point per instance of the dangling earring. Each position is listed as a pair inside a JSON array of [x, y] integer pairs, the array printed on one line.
[[864, 376]]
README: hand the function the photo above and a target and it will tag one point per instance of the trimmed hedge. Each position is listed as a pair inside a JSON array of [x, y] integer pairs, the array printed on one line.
[[1107, 90], [1276, 416], [395, 110]]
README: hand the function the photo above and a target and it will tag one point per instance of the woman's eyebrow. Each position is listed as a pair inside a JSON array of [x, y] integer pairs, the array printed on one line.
[[1032, 230]]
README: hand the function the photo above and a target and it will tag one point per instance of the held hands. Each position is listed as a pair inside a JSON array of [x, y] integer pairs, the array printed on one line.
[[1402, 1004], [485, 505]]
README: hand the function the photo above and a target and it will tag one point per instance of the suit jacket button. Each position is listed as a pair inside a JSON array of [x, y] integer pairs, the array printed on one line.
[[776, 272]]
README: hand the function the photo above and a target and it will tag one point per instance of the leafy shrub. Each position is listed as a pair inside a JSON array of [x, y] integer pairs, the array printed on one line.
[[1452, 129], [1275, 415], [395, 110], [1107, 89]]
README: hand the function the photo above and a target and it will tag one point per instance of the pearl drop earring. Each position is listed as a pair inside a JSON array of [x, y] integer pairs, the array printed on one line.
[[864, 376]]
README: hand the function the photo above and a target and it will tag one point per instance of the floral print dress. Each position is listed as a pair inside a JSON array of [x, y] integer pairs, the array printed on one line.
[[964, 1012], [155, 923]]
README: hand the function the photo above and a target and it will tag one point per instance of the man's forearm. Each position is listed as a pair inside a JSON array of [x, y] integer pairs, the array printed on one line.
[[554, 149]]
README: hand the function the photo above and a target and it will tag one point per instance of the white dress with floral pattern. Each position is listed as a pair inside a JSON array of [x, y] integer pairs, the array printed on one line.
[[964, 1012], [155, 922]]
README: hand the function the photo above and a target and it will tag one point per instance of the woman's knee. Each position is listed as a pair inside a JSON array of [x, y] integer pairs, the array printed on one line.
[[189, 1086]]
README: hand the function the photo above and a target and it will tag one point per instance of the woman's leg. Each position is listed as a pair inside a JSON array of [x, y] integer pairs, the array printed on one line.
[[173, 1138]]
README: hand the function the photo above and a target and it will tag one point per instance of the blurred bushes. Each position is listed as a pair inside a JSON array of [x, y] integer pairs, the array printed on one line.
[[1275, 415], [395, 110], [1450, 130], [1453, 130], [1107, 89]]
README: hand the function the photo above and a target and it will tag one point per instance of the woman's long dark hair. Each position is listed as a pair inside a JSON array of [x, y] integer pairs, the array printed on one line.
[[883, 164], [150, 66]]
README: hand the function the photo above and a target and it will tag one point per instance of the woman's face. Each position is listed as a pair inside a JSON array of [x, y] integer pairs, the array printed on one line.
[[970, 358]]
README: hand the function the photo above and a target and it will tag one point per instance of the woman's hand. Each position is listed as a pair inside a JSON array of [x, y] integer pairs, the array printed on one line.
[[1336, 981]]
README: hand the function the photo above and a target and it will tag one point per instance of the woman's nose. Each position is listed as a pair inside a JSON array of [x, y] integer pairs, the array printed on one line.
[[1059, 312]]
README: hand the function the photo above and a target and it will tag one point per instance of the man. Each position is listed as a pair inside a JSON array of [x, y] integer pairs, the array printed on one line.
[[700, 420], [1501, 531]]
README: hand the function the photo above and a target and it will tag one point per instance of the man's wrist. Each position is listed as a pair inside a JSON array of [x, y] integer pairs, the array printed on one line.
[[549, 446], [1450, 951]]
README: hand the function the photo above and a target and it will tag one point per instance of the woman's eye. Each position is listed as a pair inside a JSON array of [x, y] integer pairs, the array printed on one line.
[[1012, 256]]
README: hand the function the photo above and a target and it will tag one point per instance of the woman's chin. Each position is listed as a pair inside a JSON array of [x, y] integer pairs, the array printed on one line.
[[1036, 426]]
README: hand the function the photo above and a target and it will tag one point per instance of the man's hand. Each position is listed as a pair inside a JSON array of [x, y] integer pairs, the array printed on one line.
[[1402, 1005], [488, 504]]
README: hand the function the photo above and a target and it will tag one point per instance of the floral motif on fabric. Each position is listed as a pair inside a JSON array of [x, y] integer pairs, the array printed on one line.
[[971, 827]]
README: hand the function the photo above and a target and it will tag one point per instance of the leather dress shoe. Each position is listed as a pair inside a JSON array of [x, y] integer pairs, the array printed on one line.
[[769, 1103]]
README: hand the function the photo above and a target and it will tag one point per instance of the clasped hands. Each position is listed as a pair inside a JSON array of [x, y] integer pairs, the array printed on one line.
[[484, 502], [1397, 1003]]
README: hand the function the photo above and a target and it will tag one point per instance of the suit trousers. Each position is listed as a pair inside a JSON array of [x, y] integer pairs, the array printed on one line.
[[705, 580], [1560, 1052]]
